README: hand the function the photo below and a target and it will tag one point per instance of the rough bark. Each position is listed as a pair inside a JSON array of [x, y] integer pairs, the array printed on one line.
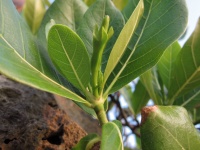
[[31, 120]]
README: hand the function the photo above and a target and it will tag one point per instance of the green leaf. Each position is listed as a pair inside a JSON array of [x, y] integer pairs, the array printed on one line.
[[94, 16], [120, 4], [137, 99], [69, 55], [166, 63], [111, 137], [130, 7], [162, 23], [85, 141], [33, 12], [119, 124], [23, 61], [189, 100], [66, 12], [89, 2], [186, 73], [150, 82], [123, 40], [168, 128]]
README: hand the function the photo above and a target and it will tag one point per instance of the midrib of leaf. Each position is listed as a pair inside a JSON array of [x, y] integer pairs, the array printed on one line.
[[110, 66], [47, 78], [71, 64], [133, 50], [183, 86]]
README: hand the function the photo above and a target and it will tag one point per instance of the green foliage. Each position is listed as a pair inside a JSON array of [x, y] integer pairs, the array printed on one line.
[[186, 73], [156, 31], [69, 55], [88, 53], [111, 137], [122, 42], [87, 142], [158, 131], [33, 12]]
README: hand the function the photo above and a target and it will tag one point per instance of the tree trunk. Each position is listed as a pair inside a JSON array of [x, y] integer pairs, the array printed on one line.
[[31, 120]]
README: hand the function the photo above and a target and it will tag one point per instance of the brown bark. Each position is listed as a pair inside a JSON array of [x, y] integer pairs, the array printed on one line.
[[31, 120]]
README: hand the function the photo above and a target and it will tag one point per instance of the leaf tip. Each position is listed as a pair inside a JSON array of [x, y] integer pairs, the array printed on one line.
[[146, 111]]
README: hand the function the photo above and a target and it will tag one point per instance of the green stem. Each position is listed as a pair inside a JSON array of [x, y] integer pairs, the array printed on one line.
[[101, 114]]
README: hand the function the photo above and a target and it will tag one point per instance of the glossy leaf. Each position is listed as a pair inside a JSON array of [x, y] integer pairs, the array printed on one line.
[[123, 40], [94, 16], [150, 82], [111, 137], [168, 128], [166, 63], [137, 99], [156, 31], [33, 12], [186, 73], [83, 143], [23, 61], [69, 55]]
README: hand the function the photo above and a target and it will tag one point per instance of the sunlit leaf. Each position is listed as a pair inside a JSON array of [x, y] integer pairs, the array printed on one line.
[[123, 40], [120, 4], [89, 2], [162, 23], [23, 61], [69, 55], [168, 128], [33, 12]]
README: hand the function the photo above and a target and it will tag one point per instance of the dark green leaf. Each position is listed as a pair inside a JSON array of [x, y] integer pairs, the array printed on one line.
[[111, 137], [186, 73], [168, 128], [189, 100], [162, 23], [69, 55], [166, 63], [94, 16]]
